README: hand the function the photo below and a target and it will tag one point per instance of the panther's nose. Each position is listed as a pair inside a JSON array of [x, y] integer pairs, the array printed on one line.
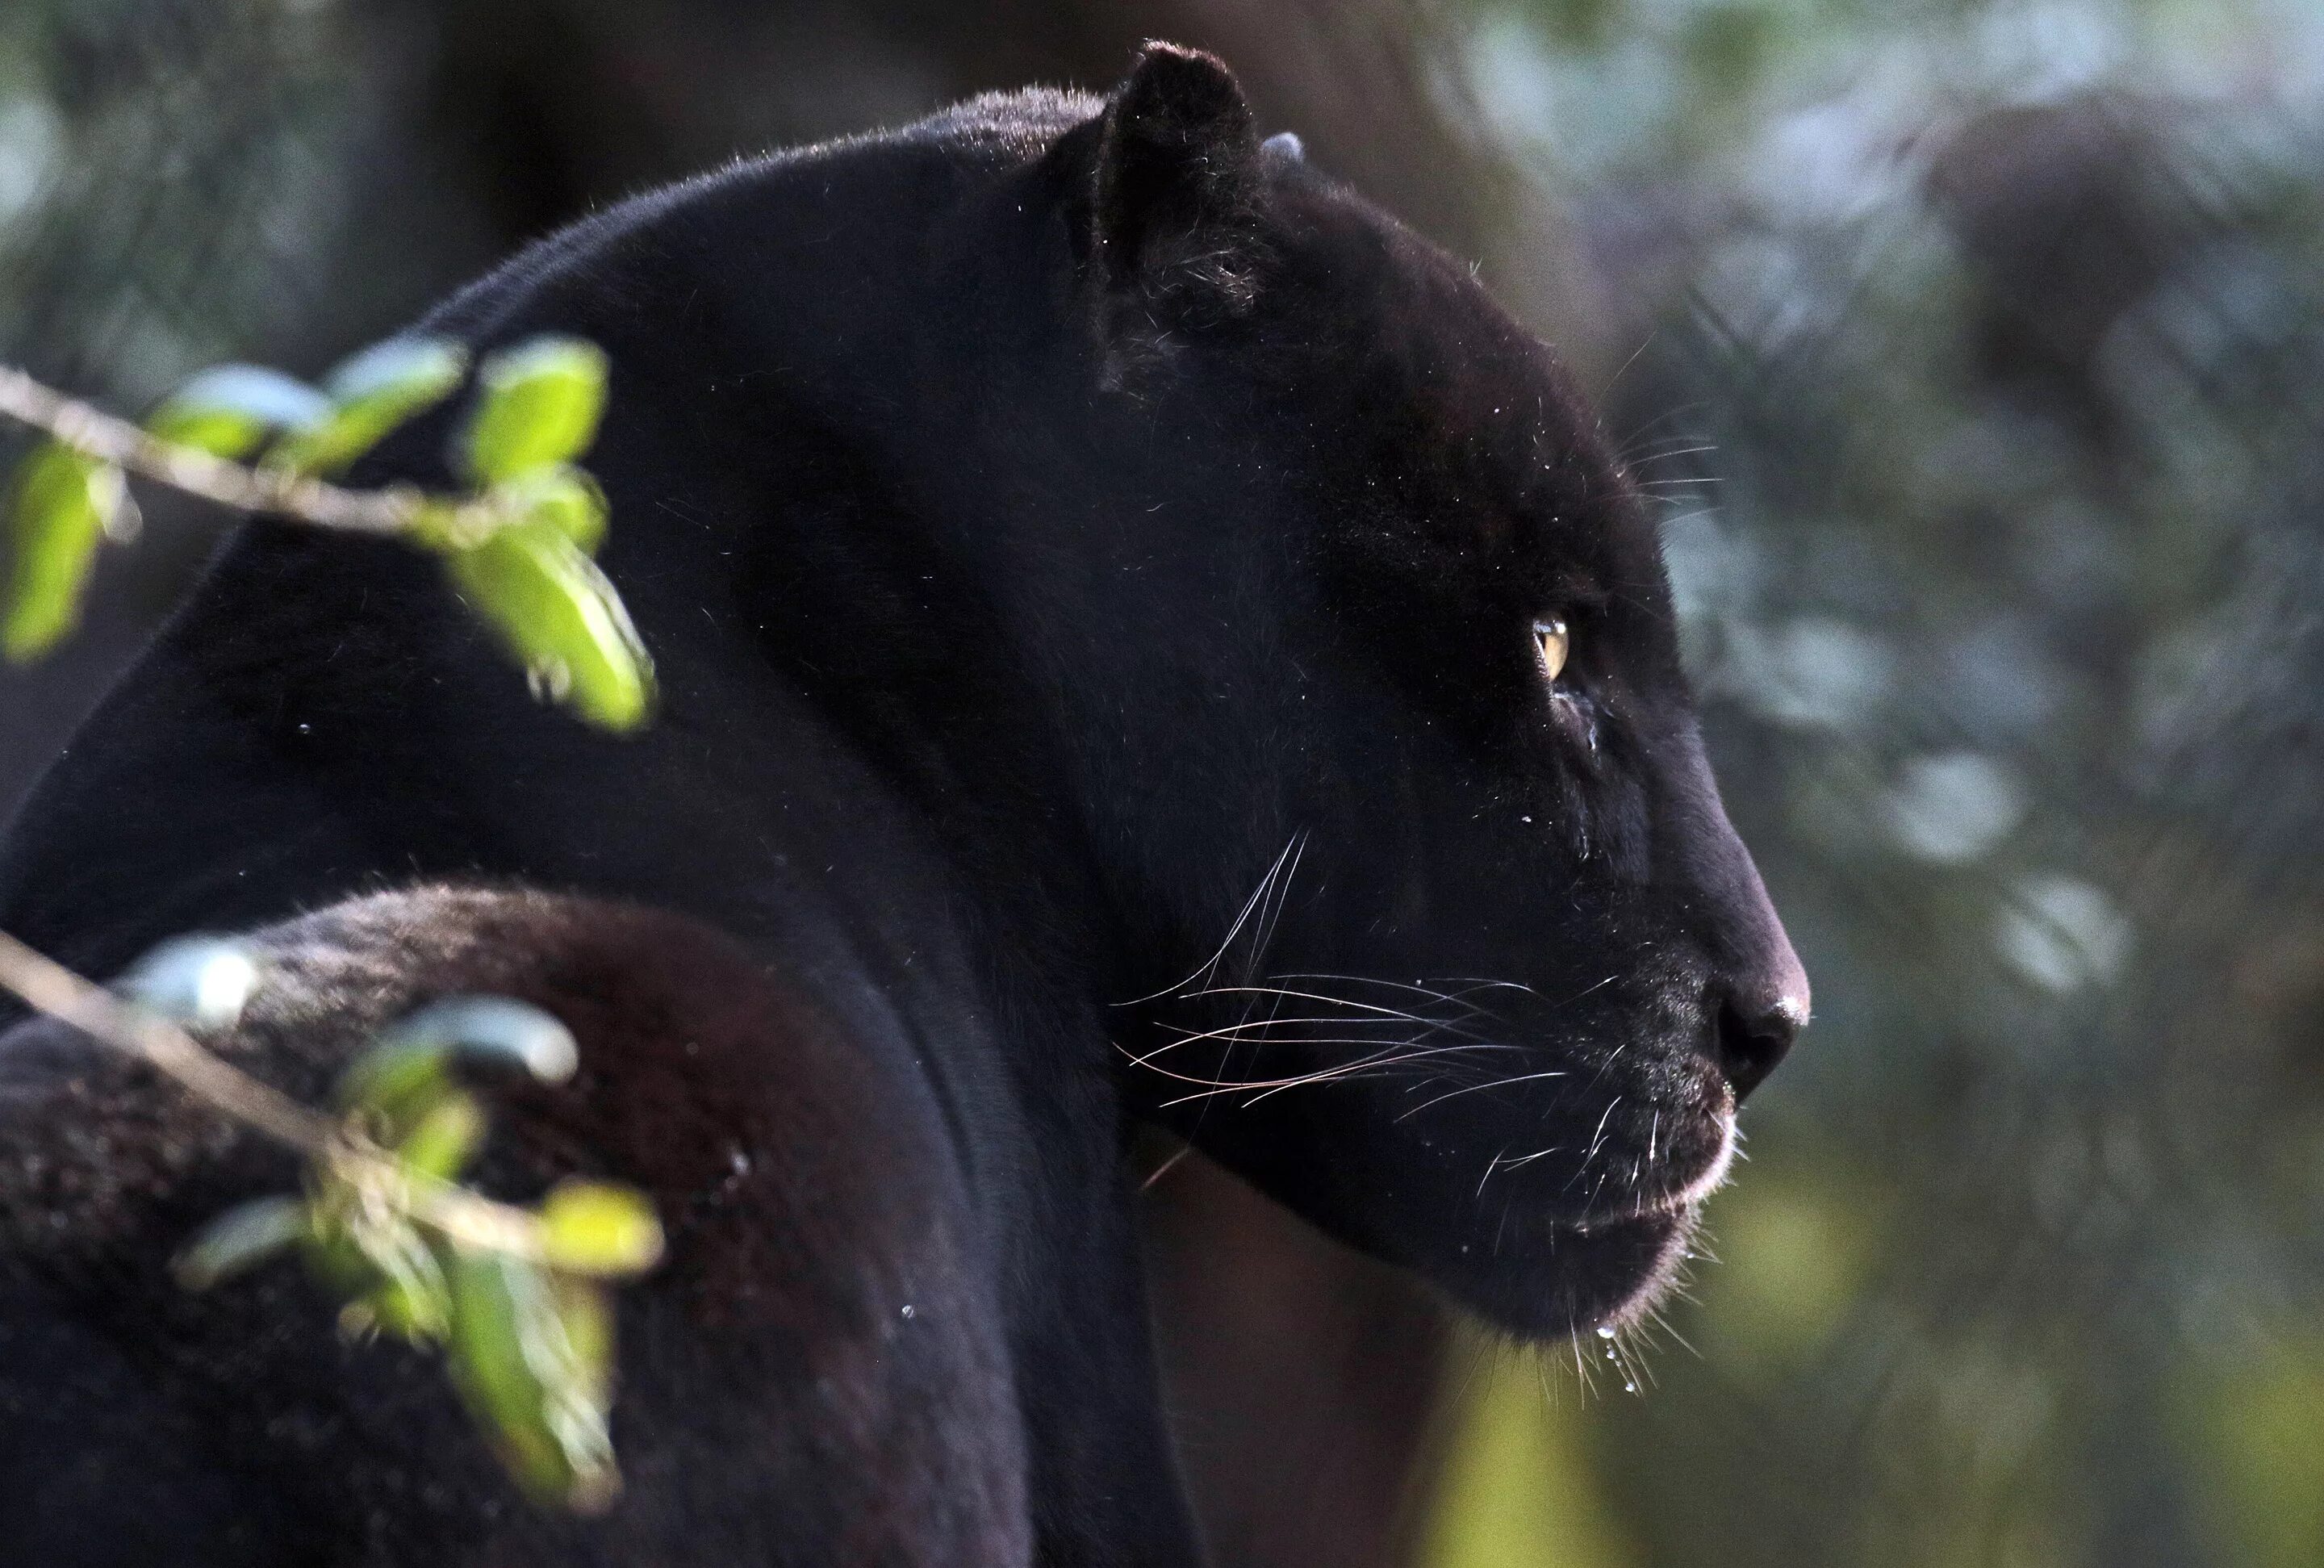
[[1757, 998], [1759, 1018]]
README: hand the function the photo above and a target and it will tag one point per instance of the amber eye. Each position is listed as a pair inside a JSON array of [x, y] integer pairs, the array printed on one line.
[[1555, 643]]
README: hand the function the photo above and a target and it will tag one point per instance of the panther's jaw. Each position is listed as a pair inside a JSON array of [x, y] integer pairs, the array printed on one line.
[[1595, 1270], [1576, 1279], [1674, 1217]]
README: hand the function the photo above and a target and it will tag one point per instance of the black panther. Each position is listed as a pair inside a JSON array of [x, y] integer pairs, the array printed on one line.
[[1143, 639]]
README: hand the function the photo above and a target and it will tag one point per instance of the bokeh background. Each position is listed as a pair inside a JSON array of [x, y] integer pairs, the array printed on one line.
[[1975, 352]]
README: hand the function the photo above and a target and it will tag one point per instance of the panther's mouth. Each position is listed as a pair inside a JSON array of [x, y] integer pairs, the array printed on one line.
[[1550, 1273], [1681, 1195], [1574, 1277]]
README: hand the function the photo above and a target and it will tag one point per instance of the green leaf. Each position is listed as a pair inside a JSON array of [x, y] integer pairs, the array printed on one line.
[[397, 1081], [399, 371], [492, 1030], [370, 395], [445, 1139], [595, 1228], [535, 1376], [332, 1256], [563, 621], [561, 498], [240, 1239], [414, 1308], [586, 1313], [407, 1073], [64, 504], [537, 404], [202, 982], [228, 410], [378, 1256]]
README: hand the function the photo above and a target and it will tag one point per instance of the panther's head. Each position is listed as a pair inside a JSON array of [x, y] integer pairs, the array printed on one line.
[[1433, 925]]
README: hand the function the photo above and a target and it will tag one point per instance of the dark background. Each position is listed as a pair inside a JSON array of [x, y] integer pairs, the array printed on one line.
[[1977, 351]]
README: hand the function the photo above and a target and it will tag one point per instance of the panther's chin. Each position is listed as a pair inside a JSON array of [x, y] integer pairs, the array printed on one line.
[[1579, 1277], [1550, 1275]]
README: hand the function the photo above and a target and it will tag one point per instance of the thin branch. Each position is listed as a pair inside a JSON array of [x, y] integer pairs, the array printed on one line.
[[278, 491], [52, 989]]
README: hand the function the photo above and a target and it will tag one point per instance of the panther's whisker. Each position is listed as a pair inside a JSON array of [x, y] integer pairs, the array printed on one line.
[[1634, 1374], [1393, 1032], [1250, 1026], [1268, 922], [1483, 982], [1636, 443], [1268, 918], [1344, 1069], [1607, 1065], [1342, 1021], [1381, 1052], [1143, 1058], [1691, 516], [1274, 890], [1596, 1139], [1210, 966], [1166, 1167], [1662, 1323], [1433, 1079], [1454, 998], [1211, 1087], [1671, 455], [1351, 1069], [1306, 996], [1528, 1158], [1472, 1089], [1589, 990], [1281, 995], [1490, 1165]]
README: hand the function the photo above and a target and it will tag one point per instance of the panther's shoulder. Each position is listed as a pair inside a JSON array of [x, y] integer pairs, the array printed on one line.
[[676, 1023]]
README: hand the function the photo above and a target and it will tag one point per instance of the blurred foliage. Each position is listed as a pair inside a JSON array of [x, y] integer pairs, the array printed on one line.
[[62, 504], [513, 1299], [518, 545], [1517, 1487], [2249, 1425], [1975, 352], [525, 1329]]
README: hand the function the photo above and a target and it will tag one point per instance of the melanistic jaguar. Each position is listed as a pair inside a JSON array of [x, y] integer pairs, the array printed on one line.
[[1142, 638]]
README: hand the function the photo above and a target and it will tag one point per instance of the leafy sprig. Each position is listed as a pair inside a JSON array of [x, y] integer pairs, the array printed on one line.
[[518, 541], [515, 1299]]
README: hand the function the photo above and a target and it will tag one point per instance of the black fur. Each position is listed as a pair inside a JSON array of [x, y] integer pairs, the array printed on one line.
[[1060, 526], [822, 1334]]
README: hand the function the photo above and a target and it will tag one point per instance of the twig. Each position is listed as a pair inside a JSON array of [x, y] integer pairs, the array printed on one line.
[[52, 989], [278, 491]]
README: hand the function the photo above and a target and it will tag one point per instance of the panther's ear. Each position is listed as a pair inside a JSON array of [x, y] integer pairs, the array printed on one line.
[[1172, 229]]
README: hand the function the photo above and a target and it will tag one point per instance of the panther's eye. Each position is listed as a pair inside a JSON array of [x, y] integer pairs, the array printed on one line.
[[1555, 643]]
